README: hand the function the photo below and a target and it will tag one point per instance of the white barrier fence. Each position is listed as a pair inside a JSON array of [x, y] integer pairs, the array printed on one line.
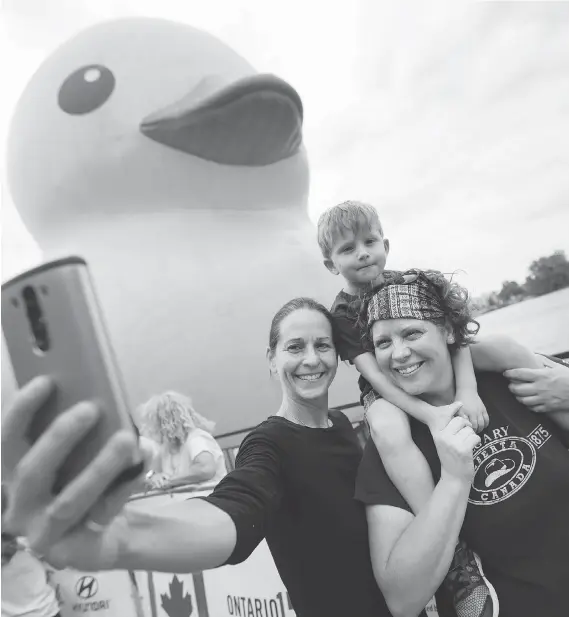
[[250, 589]]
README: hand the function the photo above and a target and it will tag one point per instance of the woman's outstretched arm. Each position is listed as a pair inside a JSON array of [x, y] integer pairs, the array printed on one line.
[[88, 528]]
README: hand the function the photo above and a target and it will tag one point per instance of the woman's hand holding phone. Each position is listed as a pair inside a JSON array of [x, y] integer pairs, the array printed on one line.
[[83, 525]]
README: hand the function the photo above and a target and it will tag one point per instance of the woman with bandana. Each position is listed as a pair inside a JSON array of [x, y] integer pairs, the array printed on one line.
[[506, 491]]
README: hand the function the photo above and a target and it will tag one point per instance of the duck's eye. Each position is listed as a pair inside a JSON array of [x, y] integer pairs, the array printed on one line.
[[86, 89]]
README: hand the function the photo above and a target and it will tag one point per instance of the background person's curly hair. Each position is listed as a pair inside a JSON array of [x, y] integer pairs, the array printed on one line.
[[170, 417], [455, 302]]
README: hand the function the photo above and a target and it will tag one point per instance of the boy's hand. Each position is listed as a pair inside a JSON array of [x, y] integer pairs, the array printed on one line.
[[543, 389], [409, 278], [443, 415], [454, 444], [473, 409]]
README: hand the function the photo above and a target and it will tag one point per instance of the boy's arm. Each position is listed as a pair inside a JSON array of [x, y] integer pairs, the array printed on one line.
[[367, 366], [500, 353], [467, 390], [463, 366], [503, 354]]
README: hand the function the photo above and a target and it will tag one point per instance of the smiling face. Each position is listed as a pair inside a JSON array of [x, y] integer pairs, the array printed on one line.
[[304, 358], [414, 353], [359, 256]]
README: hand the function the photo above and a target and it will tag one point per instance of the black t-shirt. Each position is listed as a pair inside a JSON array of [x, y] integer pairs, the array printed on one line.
[[295, 486], [350, 336], [351, 340], [517, 518]]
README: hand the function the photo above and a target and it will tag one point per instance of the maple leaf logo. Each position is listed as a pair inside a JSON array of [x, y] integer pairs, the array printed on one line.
[[176, 604]]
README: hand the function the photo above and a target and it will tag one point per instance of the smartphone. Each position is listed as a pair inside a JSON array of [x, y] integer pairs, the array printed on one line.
[[53, 325]]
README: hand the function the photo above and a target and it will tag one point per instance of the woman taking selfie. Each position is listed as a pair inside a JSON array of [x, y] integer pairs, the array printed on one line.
[[293, 485]]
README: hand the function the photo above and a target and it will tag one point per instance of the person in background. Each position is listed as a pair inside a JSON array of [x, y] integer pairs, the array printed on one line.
[[180, 439], [26, 591]]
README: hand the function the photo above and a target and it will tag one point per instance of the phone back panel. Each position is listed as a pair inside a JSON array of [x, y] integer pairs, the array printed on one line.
[[79, 356]]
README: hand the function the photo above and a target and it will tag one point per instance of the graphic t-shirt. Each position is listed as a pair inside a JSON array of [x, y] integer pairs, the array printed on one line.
[[294, 486], [517, 518]]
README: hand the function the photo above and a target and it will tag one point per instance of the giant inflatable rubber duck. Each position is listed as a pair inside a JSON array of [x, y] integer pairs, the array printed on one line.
[[159, 154]]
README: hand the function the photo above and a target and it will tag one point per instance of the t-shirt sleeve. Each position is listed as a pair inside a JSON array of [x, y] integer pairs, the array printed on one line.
[[251, 492], [373, 485], [350, 341], [199, 443]]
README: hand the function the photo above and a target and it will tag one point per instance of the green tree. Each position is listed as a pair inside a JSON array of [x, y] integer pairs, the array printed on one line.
[[548, 274], [511, 291]]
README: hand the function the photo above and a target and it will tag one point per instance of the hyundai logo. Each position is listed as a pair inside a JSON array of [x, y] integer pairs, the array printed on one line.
[[86, 587]]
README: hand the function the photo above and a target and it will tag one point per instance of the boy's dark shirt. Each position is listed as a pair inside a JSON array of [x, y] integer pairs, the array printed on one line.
[[351, 335]]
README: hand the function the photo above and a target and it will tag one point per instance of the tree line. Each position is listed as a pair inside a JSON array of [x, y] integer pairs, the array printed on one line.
[[546, 274]]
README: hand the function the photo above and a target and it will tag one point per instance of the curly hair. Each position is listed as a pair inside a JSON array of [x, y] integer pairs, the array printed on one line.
[[454, 299], [170, 417]]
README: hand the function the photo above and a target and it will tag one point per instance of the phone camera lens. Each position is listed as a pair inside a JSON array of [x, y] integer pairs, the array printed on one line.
[[41, 335], [36, 318], [29, 295]]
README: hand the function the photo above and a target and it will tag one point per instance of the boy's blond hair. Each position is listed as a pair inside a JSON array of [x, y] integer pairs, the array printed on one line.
[[347, 216]]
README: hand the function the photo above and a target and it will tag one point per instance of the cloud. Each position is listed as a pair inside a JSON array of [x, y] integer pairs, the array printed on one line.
[[452, 119]]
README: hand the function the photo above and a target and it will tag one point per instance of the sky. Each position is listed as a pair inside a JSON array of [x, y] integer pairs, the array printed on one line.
[[451, 118]]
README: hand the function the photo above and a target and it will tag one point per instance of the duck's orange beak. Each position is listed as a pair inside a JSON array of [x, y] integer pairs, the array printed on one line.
[[254, 121]]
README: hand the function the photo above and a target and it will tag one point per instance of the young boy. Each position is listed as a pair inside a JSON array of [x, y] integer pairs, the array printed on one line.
[[351, 239]]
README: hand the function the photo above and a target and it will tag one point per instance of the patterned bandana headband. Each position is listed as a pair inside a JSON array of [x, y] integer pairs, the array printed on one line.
[[414, 300]]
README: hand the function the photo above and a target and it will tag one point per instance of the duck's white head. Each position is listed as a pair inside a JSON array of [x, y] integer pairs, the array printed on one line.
[[158, 154], [147, 115]]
